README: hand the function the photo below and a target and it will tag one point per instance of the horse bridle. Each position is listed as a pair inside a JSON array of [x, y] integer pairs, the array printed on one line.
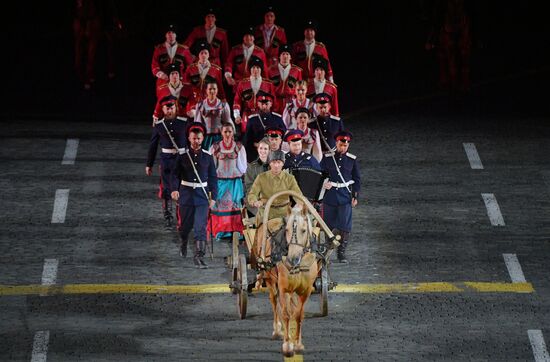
[[294, 241]]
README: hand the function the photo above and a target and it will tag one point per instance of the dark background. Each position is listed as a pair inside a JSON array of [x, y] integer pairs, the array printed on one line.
[[377, 51]]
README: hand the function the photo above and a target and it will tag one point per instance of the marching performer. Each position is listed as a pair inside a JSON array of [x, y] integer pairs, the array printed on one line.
[[270, 37], [215, 36], [342, 190], [169, 132], [170, 52], [284, 77], [212, 112], [194, 185]]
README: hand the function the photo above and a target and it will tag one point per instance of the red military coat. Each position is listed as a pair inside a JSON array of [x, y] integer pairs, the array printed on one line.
[[219, 47], [193, 77], [330, 89], [271, 47], [284, 89], [300, 58], [161, 59], [245, 98], [237, 65], [185, 95]]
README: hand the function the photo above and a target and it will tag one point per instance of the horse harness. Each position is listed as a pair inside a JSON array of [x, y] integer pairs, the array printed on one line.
[[298, 266]]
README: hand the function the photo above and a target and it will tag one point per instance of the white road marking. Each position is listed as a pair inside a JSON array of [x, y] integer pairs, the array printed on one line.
[[49, 274], [537, 344], [70, 151], [514, 268], [493, 211], [473, 156], [60, 206], [40, 346]]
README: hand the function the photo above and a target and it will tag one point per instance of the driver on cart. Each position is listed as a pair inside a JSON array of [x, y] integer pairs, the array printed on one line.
[[266, 185]]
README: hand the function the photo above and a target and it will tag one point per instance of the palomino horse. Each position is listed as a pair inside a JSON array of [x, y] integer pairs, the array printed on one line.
[[296, 274], [269, 276], [290, 281]]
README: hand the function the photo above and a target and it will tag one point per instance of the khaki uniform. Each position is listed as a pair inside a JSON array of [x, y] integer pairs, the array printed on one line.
[[265, 186]]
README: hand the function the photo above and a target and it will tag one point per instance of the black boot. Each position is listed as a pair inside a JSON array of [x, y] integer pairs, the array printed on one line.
[[183, 248], [198, 259], [167, 209], [341, 252]]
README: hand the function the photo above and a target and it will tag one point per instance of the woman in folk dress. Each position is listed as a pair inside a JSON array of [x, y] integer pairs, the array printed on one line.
[[230, 160], [212, 112]]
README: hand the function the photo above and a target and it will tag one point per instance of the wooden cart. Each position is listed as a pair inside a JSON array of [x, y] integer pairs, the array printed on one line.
[[244, 277]]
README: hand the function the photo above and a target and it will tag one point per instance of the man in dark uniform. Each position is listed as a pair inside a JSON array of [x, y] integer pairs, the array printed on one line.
[[274, 135], [258, 123], [327, 124], [195, 185], [170, 133], [342, 189], [296, 158]]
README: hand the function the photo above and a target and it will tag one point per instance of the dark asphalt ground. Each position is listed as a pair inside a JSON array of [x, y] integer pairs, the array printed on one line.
[[425, 221]]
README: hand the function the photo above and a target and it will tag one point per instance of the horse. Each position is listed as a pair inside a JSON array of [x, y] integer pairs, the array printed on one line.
[[268, 276], [296, 274]]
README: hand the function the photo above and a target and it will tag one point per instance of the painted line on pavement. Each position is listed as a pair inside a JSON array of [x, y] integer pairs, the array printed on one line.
[[435, 287], [537, 344], [70, 151], [60, 206], [49, 273], [493, 210], [514, 268], [295, 358], [473, 156], [40, 346]]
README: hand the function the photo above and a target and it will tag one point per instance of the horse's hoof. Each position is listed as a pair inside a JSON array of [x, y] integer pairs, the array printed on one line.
[[275, 336], [299, 348], [288, 349]]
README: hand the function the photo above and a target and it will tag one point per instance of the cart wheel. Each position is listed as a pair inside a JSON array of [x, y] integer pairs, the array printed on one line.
[[234, 261], [242, 278], [323, 295]]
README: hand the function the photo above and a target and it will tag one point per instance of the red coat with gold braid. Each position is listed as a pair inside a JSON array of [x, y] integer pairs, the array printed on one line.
[[186, 98], [300, 58], [161, 58], [193, 76], [271, 47], [330, 89], [245, 98], [237, 65], [284, 89], [219, 47]]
